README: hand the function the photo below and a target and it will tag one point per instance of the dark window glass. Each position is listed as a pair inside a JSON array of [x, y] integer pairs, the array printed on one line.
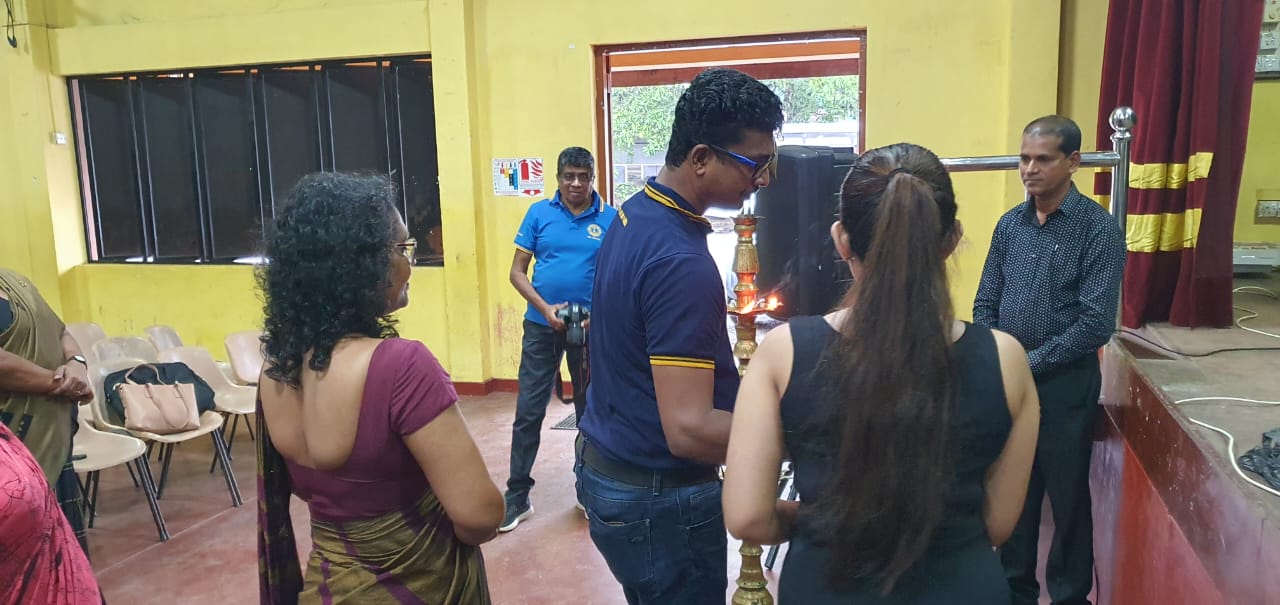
[[230, 163], [108, 121], [292, 125], [416, 112], [170, 152], [357, 117], [192, 166]]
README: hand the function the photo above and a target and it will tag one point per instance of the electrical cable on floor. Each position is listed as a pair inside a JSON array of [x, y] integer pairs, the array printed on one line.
[[1250, 314], [1231, 440], [1157, 345]]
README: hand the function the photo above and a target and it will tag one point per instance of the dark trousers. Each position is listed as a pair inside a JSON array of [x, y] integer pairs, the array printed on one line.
[[540, 358], [1068, 409]]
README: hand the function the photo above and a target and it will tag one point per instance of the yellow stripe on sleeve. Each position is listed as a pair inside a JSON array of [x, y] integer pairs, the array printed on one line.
[[682, 362]]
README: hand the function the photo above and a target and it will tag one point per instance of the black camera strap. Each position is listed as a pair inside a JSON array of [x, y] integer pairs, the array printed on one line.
[[579, 398]]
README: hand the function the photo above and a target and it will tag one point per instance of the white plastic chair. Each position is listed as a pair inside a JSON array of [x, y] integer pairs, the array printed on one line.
[[86, 334], [210, 423], [163, 337], [244, 349], [229, 399], [125, 347], [103, 450]]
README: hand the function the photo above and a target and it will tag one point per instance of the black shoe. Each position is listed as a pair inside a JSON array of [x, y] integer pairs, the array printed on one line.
[[515, 514]]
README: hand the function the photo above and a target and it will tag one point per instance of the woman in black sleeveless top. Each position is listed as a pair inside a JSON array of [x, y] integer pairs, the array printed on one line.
[[911, 433]]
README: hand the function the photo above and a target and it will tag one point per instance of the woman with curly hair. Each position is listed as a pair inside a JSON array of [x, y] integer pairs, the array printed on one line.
[[358, 422]]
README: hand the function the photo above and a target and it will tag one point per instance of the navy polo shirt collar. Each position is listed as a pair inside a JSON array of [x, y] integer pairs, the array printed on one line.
[[597, 205], [668, 197]]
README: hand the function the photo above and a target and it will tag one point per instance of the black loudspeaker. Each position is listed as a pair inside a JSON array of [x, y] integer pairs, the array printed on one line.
[[798, 260]]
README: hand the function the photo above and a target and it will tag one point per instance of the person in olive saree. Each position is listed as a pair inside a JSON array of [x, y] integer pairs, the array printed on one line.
[[42, 376], [357, 422]]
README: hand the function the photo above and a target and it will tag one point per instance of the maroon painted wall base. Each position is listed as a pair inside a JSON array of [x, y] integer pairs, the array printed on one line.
[[1171, 523]]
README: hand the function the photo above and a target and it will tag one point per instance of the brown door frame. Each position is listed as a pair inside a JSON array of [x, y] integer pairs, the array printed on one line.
[[730, 56]]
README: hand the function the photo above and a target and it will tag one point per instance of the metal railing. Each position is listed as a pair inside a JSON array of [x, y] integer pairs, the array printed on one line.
[[1122, 121]]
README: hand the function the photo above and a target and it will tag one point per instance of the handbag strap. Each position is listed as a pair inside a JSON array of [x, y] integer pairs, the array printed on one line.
[[154, 370]]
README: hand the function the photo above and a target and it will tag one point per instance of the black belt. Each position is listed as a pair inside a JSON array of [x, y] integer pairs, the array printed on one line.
[[644, 477]]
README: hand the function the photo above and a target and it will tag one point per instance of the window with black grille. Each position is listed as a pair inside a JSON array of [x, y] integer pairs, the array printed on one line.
[[189, 167]]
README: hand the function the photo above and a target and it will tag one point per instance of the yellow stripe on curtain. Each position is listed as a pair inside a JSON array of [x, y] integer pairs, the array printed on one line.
[[1165, 232], [1170, 176], [1165, 176]]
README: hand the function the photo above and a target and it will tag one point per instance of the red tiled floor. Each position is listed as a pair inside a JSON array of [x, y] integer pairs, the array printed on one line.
[[211, 557]]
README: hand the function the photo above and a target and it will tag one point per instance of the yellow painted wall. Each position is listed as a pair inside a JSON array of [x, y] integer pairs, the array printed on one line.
[[961, 77], [38, 188], [105, 36], [1084, 29], [204, 304], [1261, 163]]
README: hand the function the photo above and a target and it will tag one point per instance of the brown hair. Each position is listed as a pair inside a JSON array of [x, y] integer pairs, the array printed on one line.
[[887, 487]]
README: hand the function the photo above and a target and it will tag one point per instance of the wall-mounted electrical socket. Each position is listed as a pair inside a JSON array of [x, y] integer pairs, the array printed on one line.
[[1268, 207], [1269, 41], [59, 138]]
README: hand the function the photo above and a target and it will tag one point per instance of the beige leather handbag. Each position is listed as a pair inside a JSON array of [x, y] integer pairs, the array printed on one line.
[[158, 408]]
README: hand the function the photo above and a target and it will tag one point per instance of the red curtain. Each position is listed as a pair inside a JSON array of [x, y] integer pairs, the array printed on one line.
[[1186, 67]]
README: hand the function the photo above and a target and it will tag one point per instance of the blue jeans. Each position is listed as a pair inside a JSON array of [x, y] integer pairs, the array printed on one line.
[[543, 348], [665, 545]]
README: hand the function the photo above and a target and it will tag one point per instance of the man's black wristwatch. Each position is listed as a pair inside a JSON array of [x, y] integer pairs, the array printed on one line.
[[81, 359]]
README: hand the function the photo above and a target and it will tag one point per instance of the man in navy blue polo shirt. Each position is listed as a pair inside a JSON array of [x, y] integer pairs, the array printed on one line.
[[663, 378], [564, 234]]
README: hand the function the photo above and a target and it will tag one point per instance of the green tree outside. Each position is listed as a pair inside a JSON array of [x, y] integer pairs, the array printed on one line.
[[642, 115]]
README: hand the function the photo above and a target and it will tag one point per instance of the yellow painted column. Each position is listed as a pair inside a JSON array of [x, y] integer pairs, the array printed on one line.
[[1084, 30], [467, 299], [39, 194]]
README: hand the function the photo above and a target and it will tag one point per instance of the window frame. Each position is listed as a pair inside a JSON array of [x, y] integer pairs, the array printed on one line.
[[765, 57], [386, 98]]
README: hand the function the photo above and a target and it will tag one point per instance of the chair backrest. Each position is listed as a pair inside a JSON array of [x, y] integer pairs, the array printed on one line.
[[163, 337], [202, 363], [86, 419], [86, 335], [98, 372], [244, 351], [130, 347]]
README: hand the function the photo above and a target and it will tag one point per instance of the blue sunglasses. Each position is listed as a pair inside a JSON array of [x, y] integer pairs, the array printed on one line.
[[757, 168]]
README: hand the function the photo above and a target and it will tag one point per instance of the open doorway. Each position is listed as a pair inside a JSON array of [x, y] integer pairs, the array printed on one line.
[[820, 77]]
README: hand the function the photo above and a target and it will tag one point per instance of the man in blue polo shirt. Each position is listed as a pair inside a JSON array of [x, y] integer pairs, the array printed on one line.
[[663, 378], [564, 234]]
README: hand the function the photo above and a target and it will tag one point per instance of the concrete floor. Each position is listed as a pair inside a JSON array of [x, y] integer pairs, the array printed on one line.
[[1252, 374]]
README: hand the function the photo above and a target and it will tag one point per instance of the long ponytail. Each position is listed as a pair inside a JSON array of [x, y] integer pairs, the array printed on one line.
[[886, 495]]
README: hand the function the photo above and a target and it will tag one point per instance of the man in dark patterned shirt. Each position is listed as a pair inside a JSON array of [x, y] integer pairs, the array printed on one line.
[[1052, 280]]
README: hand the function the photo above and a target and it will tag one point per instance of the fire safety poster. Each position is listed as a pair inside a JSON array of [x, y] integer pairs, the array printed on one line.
[[518, 177]]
